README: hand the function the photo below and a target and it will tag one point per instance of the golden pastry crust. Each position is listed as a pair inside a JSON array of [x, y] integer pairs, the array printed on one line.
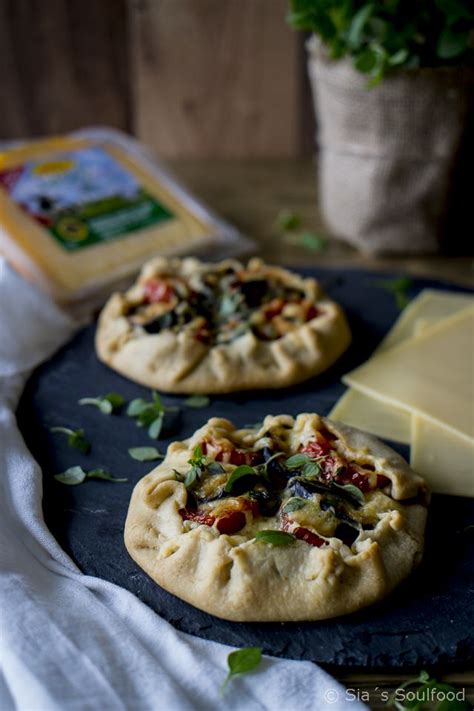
[[237, 577], [179, 360]]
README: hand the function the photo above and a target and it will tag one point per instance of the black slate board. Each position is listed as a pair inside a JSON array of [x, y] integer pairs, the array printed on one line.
[[428, 621]]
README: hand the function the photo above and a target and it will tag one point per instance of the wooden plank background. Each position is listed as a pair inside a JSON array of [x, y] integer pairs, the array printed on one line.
[[192, 78]]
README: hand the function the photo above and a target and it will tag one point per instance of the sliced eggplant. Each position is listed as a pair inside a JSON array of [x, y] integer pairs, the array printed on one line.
[[166, 320]]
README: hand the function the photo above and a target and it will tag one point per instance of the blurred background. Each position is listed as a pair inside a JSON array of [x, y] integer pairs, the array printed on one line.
[[191, 78], [219, 89]]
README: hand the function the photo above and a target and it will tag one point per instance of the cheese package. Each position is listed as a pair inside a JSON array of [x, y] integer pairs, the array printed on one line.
[[79, 214]]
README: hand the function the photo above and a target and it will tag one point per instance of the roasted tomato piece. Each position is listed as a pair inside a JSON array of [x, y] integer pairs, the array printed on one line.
[[303, 534], [382, 481], [311, 313], [352, 476], [231, 522], [318, 448], [238, 456], [274, 308], [197, 516], [158, 291]]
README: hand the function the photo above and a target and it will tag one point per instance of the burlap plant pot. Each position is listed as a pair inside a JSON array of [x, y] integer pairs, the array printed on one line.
[[387, 154]]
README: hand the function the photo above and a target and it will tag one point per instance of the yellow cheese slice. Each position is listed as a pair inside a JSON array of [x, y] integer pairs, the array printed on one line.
[[430, 375], [38, 254], [376, 416], [380, 418], [445, 459]]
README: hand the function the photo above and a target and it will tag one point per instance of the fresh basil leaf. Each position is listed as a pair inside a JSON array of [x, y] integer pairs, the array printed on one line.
[[191, 477], [156, 426], [215, 468], [274, 538], [308, 240], [148, 416], [145, 454], [102, 474], [238, 473], [198, 459], [297, 461], [311, 469], [399, 288], [75, 438], [115, 399], [137, 406], [106, 403], [355, 491], [242, 661], [197, 401], [72, 476], [294, 504]]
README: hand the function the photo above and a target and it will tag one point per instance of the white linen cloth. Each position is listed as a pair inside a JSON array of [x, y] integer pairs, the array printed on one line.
[[71, 641]]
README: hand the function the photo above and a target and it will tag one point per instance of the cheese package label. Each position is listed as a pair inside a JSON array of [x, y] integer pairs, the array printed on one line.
[[82, 197], [81, 214]]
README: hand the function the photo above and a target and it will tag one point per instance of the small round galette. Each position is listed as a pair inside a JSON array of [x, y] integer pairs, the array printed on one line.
[[191, 327], [293, 519]]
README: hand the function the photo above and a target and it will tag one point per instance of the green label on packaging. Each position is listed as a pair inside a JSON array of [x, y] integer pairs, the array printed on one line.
[[83, 197]]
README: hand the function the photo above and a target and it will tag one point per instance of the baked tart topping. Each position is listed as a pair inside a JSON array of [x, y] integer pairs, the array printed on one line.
[[220, 306], [315, 494], [297, 518]]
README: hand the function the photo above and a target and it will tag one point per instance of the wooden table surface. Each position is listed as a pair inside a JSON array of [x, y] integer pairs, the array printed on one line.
[[250, 194]]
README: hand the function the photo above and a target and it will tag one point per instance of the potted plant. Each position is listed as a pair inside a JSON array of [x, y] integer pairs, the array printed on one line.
[[393, 85]]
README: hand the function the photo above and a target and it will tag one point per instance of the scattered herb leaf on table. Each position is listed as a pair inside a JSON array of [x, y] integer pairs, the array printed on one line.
[[75, 438], [105, 403]]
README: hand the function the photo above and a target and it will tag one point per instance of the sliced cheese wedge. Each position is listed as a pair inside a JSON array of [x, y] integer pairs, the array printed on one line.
[[376, 416], [380, 418], [444, 458], [430, 375]]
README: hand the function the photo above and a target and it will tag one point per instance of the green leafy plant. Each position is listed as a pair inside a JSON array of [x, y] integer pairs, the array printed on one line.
[[240, 662], [75, 438], [76, 475], [106, 403], [150, 414], [199, 465], [145, 454], [380, 35]]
